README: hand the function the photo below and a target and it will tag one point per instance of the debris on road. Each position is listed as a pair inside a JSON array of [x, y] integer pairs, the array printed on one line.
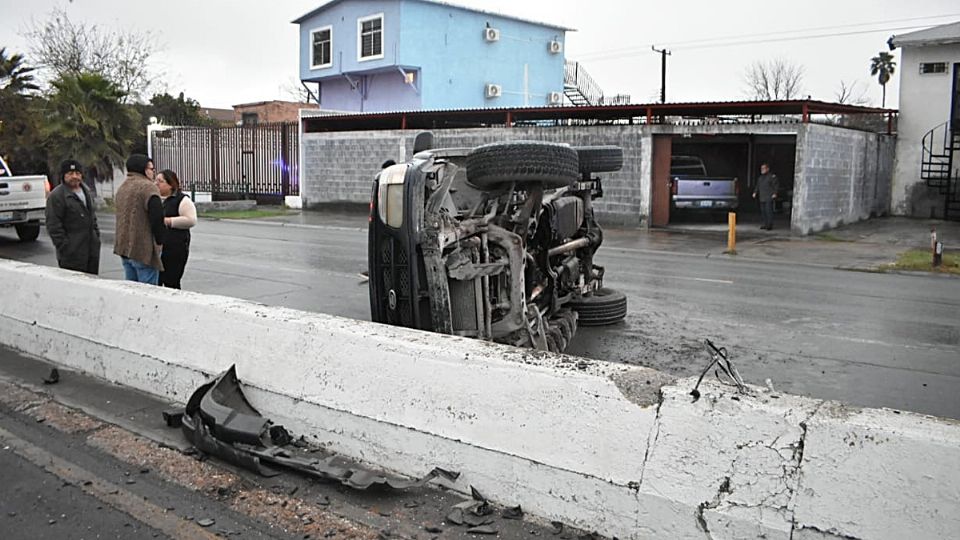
[[730, 375], [219, 421], [53, 378]]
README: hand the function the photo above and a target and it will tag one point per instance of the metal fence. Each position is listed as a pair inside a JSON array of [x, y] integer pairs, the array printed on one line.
[[259, 162]]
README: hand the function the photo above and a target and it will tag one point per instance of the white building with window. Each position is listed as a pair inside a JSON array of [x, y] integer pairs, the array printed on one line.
[[927, 170]]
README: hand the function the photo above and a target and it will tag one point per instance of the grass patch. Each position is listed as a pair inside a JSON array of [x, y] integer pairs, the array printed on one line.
[[830, 237], [244, 214], [920, 260]]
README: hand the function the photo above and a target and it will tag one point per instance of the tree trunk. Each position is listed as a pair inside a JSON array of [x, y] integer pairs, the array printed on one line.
[[883, 101]]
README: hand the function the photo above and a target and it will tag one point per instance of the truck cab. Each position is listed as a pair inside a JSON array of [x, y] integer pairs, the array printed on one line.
[[23, 201]]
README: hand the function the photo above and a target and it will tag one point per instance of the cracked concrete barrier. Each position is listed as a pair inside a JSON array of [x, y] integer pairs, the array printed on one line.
[[616, 449]]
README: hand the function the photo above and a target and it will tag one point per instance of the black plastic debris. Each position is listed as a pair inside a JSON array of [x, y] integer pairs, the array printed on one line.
[[173, 418], [53, 378], [472, 513], [219, 421], [513, 513]]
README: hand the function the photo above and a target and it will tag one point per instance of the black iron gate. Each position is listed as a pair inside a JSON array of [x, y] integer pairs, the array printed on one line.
[[259, 162]]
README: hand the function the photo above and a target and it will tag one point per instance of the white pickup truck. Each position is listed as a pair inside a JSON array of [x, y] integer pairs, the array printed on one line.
[[23, 201]]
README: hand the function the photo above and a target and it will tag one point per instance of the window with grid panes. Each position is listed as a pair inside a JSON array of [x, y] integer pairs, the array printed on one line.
[[371, 37]]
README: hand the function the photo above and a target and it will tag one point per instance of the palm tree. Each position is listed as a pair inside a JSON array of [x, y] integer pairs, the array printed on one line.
[[14, 76], [883, 67], [86, 120]]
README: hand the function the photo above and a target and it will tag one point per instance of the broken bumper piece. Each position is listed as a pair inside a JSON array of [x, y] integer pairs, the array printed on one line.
[[218, 420]]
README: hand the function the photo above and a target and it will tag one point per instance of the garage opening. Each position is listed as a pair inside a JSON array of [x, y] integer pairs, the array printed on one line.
[[719, 159]]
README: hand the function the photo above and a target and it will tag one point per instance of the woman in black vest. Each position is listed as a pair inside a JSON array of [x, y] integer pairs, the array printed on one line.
[[179, 215]]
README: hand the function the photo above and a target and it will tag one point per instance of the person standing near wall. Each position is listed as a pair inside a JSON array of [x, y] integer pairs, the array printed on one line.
[[766, 193], [72, 221], [179, 215], [139, 222]]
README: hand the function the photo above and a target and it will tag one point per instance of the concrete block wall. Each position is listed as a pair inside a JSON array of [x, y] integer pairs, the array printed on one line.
[[617, 449], [842, 176], [339, 167]]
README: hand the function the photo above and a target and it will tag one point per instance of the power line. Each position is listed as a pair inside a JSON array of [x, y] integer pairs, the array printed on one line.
[[816, 29], [748, 38]]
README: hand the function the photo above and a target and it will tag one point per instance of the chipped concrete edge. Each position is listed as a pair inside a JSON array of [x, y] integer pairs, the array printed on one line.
[[623, 451]]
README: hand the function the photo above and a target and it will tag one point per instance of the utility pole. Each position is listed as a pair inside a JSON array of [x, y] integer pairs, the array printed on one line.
[[663, 72]]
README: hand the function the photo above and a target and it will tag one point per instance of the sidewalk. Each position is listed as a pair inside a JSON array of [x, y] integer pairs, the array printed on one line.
[[865, 245], [290, 505]]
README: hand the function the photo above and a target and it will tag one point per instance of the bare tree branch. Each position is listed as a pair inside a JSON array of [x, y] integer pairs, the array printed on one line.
[[774, 80], [851, 94], [63, 47]]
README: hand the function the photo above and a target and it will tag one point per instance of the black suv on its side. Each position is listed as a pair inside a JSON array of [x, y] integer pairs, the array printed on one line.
[[495, 242]]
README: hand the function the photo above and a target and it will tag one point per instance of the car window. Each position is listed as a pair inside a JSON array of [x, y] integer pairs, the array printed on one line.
[[687, 165]]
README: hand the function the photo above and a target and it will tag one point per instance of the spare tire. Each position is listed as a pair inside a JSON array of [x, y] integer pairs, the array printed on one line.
[[594, 159], [491, 165], [605, 306]]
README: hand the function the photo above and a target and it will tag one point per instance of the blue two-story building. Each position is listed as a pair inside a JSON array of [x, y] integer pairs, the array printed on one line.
[[392, 55]]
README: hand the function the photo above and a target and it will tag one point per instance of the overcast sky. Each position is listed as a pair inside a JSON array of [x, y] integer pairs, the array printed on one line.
[[223, 52]]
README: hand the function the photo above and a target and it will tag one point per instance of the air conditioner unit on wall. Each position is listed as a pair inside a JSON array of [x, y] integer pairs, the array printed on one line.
[[493, 91], [554, 98], [491, 34], [555, 47]]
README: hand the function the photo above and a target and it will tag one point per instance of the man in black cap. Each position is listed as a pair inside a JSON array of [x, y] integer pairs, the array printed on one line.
[[139, 222], [72, 221]]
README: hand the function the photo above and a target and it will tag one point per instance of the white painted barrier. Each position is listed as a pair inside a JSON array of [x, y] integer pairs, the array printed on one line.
[[616, 449]]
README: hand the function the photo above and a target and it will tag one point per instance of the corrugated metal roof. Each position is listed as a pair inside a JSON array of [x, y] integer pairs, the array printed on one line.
[[944, 34], [332, 3], [454, 118]]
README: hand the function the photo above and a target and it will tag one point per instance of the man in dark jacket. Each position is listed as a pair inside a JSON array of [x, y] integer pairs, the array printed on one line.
[[766, 193], [72, 221]]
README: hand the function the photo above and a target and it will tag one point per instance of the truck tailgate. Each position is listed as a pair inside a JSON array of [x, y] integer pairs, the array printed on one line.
[[706, 188], [22, 193]]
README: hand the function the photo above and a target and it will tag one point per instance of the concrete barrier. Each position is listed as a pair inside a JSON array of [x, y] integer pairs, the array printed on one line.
[[617, 449]]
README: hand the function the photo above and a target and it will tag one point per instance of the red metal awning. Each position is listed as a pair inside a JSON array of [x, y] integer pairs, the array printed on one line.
[[643, 113]]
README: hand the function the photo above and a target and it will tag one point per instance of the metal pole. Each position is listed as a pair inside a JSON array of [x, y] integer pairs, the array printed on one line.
[[732, 233], [663, 72]]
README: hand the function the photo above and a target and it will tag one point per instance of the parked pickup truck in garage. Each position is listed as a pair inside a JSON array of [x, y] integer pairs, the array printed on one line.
[[692, 189], [23, 200]]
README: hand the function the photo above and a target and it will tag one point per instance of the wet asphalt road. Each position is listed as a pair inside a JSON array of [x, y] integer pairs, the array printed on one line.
[[878, 340]]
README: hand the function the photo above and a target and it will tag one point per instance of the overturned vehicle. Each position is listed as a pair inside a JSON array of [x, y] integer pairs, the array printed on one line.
[[495, 242]]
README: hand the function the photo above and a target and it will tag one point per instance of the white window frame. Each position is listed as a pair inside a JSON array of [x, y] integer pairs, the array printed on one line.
[[317, 31], [383, 32]]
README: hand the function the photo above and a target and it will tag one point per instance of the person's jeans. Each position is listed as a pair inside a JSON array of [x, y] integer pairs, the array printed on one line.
[[766, 213], [137, 271]]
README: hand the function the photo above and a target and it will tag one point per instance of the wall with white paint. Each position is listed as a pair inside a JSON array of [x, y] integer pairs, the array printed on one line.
[[617, 449]]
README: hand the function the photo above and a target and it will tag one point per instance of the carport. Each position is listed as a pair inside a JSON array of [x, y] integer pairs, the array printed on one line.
[[834, 161]]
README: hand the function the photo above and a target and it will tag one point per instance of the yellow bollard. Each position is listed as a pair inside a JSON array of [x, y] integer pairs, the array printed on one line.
[[732, 233]]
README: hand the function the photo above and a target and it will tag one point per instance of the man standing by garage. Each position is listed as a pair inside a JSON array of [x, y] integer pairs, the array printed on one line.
[[72, 221], [766, 193]]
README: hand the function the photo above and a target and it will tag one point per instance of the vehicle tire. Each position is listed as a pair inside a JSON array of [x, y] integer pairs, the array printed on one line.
[[28, 232], [595, 159], [491, 165], [605, 306]]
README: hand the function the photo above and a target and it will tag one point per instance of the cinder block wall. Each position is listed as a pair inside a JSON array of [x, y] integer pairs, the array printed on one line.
[[843, 176], [339, 167]]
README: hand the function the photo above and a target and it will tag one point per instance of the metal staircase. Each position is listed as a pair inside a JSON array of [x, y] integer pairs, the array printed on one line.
[[940, 166], [582, 91]]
